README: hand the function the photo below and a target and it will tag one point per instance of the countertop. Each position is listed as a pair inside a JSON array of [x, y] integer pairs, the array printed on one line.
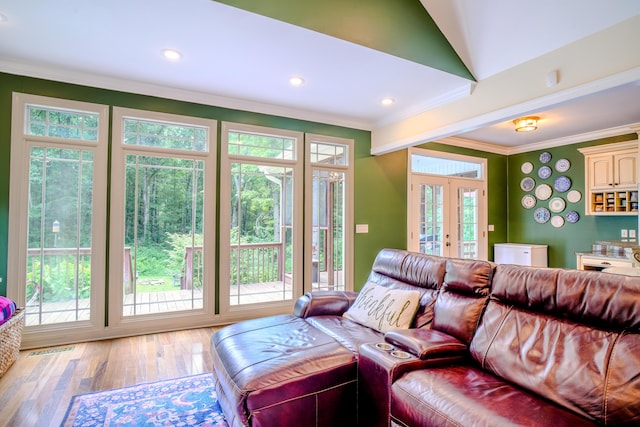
[[607, 255]]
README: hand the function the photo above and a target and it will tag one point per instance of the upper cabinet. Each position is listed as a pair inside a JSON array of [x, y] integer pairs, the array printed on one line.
[[611, 179]]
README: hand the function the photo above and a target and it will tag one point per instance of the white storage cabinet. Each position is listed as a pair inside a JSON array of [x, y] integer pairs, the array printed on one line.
[[520, 254]]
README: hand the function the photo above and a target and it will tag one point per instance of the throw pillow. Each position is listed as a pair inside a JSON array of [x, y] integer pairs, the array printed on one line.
[[7, 308], [384, 309]]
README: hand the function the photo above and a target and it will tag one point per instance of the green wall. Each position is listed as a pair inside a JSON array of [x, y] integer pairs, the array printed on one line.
[[371, 203], [380, 181], [565, 241]]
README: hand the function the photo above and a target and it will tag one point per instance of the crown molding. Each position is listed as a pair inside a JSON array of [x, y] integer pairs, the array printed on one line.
[[144, 88], [575, 139], [475, 145], [551, 143], [430, 104]]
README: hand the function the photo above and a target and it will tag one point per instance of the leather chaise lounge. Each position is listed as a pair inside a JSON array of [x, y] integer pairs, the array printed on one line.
[[487, 346]]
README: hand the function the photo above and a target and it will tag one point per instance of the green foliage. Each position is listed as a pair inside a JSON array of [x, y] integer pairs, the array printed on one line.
[[58, 281], [152, 261], [174, 261]]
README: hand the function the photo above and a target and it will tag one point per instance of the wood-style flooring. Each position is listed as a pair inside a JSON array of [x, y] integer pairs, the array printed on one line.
[[37, 389]]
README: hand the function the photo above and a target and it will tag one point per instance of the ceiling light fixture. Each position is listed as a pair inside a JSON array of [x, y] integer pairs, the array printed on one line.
[[171, 54], [526, 124], [296, 81], [387, 101]]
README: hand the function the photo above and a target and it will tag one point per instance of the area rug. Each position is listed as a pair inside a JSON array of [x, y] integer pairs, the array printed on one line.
[[186, 401]]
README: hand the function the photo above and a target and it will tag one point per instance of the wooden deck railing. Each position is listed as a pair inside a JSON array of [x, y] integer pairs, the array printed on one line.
[[250, 263]]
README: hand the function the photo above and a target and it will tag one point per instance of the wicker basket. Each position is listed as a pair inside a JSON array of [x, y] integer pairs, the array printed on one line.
[[10, 340]]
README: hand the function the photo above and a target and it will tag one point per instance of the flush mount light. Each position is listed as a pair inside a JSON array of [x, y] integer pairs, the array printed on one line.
[[171, 54], [3, 17], [387, 101], [296, 81], [526, 124]]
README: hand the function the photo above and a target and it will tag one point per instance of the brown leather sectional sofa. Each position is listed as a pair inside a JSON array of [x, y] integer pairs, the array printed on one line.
[[489, 346]]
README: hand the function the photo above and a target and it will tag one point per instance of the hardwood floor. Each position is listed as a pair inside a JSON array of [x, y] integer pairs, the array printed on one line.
[[37, 389]]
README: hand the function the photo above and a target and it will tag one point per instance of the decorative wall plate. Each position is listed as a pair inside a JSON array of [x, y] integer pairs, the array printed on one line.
[[544, 172], [556, 204], [528, 201], [563, 165], [527, 167], [527, 184], [543, 191], [541, 215], [572, 216], [562, 183], [545, 157], [557, 221], [574, 196]]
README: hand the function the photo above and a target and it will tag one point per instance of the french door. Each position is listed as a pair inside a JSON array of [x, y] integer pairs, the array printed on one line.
[[447, 216], [56, 217], [162, 216], [261, 226]]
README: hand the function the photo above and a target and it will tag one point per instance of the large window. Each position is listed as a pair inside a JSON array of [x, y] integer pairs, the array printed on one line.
[[329, 195], [150, 263], [163, 206], [57, 215], [261, 218]]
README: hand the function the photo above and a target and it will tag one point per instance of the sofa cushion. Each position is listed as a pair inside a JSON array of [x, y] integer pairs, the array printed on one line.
[[463, 297], [468, 396], [267, 367], [384, 309], [569, 336]]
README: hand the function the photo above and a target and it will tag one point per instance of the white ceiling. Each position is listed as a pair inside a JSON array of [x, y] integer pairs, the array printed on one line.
[[237, 59]]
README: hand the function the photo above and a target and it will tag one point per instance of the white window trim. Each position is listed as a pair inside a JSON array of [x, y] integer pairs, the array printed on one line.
[[348, 208], [234, 313], [118, 323], [42, 335]]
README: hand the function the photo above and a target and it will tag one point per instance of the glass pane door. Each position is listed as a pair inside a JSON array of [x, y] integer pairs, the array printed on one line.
[[163, 247], [327, 236], [446, 217], [261, 234], [431, 224], [58, 282], [468, 201]]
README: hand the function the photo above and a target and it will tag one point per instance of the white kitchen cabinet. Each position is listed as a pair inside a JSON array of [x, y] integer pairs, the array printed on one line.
[[520, 254], [586, 261], [611, 179]]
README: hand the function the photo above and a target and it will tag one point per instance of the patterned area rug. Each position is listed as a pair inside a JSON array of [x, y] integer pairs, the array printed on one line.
[[187, 401]]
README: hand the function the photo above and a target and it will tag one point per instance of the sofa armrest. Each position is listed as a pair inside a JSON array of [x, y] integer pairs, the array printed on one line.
[[322, 303], [426, 343]]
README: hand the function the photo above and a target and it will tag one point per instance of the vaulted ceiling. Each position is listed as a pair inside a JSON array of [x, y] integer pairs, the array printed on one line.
[[456, 68]]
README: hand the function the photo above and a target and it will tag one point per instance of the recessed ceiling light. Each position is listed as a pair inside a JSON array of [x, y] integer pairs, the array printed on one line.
[[171, 54], [387, 101], [296, 81]]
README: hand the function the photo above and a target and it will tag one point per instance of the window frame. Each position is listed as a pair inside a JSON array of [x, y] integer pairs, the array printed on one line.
[[239, 312], [21, 142], [165, 320], [348, 231]]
